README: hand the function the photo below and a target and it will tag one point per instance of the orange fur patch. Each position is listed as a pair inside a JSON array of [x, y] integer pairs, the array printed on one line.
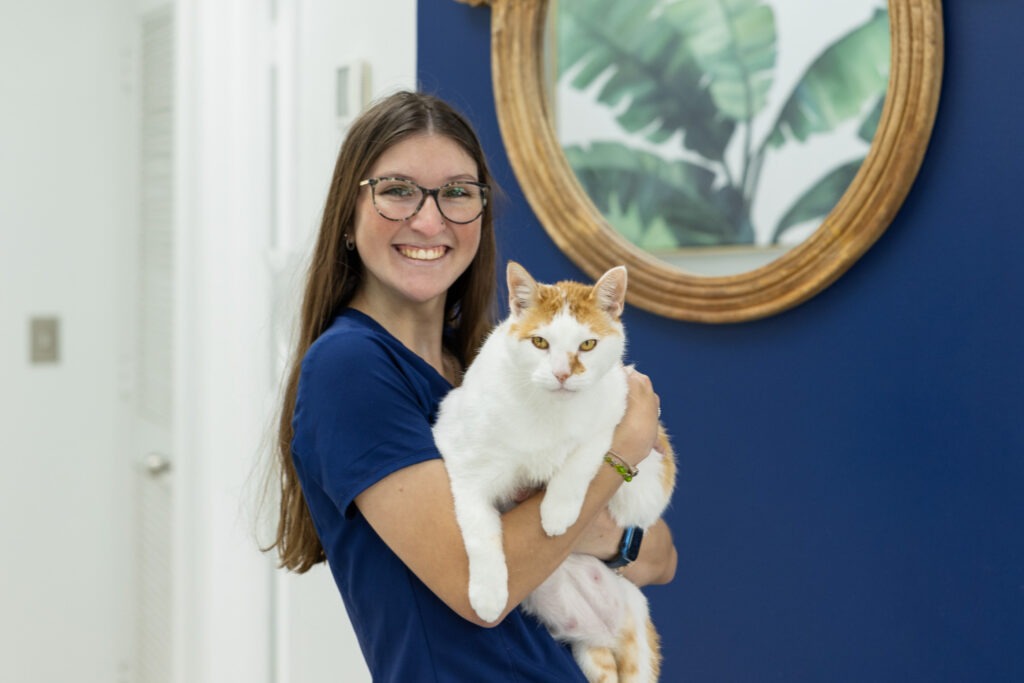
[[604, 662], [580, 300], [655, 642], [627, 651], [668, 470], [576, 366]]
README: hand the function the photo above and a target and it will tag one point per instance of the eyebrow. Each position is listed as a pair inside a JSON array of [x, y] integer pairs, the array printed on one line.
[[449, 179]]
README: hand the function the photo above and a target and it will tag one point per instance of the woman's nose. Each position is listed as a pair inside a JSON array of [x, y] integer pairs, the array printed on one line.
[[428, 220]]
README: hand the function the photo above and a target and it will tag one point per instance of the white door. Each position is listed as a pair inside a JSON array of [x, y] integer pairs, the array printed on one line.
[[152, 417]]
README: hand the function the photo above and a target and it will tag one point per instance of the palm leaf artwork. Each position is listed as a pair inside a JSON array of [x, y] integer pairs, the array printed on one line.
[[695, 78]]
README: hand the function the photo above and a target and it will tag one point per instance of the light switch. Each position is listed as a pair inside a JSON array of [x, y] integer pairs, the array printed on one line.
[[44, 339], [351, 92]]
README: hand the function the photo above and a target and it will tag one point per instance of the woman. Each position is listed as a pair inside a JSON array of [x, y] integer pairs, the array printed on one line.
[[398, 298]]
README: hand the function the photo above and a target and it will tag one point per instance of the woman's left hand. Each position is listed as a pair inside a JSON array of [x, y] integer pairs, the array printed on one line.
[[656, 563]]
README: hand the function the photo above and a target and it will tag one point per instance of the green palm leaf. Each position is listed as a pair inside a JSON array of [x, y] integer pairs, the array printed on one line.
[[733, 42], [652, 71], [622, 180], [838, 85], [869, 127], [820, 199]]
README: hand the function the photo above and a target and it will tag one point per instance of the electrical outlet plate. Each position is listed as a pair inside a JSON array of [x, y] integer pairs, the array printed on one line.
[[44, 339]]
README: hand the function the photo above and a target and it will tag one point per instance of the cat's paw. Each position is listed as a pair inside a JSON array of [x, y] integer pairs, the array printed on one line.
[[488, 599], [557, 517]]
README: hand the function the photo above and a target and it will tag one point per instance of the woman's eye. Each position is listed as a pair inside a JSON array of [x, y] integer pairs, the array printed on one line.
[[588, 345], [455, 192], [461, 193], [539, 342], [397, 190]]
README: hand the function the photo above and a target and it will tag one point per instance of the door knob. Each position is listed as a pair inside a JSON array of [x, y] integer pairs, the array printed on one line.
[[157, 464]]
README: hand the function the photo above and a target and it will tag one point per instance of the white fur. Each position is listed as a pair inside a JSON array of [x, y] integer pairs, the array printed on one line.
[[510, 426], [519, 422]]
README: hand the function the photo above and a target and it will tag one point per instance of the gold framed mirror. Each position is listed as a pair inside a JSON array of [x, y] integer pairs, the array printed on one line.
[[569, 215]]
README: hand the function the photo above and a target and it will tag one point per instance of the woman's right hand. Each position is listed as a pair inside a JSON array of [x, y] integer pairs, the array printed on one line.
[[637, 431]]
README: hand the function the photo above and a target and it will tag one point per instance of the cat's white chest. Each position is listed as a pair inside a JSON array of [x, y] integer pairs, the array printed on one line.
[[503, 438]]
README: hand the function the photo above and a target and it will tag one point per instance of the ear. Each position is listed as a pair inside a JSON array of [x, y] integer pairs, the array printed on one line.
[[610, 291], [521, 288]]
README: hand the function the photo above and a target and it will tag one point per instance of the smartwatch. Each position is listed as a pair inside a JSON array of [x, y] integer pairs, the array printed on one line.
[[629, 547]]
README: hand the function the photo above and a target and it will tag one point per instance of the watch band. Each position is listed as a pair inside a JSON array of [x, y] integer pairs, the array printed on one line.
[[629, 547]]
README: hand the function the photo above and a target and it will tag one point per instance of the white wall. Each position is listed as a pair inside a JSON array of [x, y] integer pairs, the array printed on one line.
[[315, 643], [231, 236], [66, 210], [64, 170], [380, 33]]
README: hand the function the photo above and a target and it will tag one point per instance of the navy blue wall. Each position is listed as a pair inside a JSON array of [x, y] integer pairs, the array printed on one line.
[[851, 493]]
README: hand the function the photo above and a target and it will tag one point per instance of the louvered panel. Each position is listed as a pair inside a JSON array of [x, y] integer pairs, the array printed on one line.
[[155, 337], [154, 645], [156, 243]]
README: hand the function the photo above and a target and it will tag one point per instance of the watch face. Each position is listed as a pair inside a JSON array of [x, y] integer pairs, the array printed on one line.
[[629, 547], [631, 543]]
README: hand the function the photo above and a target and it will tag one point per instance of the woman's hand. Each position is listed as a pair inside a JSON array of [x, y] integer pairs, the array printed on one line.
[[637, 432], [656, 563]]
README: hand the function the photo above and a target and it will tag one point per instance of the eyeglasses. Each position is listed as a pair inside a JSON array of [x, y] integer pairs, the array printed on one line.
[[398, 199]]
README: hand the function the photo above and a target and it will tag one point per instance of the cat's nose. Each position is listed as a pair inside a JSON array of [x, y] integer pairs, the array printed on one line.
[[562, 376]]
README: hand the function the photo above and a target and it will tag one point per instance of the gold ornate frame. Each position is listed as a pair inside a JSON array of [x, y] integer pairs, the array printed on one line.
[[583, 234]]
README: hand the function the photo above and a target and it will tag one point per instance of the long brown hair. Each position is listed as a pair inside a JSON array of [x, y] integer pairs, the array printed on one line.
[[335, 273]]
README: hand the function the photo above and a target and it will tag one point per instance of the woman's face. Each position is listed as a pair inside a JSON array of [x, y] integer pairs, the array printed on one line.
[[415, 261]]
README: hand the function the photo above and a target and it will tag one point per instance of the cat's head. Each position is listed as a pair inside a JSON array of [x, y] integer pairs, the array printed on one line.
[[567, 335]]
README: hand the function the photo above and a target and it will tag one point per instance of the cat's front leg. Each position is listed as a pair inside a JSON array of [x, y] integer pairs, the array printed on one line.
[[480, 523], [563, 498]]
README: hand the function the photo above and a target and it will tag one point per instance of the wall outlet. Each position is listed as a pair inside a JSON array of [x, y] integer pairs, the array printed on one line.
[[44, 339]]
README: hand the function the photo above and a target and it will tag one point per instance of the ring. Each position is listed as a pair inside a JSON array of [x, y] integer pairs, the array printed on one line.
[[659, 411]]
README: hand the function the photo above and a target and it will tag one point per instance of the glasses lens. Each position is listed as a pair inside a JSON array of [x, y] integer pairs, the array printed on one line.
[[396, 199], [461, 202], [399, 200]]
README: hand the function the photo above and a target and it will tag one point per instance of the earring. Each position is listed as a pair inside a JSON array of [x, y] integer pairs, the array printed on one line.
[[350, 243]]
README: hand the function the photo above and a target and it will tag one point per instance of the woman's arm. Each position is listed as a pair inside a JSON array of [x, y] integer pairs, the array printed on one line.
[[413, 512], [656, 563]]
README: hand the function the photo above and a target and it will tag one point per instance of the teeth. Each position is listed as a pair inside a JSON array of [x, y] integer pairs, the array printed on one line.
[[422, 254]]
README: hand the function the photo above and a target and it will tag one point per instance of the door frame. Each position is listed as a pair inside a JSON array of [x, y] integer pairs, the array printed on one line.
[[223, 621]]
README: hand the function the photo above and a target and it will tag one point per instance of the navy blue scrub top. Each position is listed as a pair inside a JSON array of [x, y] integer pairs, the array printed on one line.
[[364, 409]]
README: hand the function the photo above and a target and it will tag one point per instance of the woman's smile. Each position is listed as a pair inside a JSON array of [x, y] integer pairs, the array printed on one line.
[[421, 253]]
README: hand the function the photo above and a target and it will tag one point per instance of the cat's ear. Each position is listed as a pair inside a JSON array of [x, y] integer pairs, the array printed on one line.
[[610, 291], [521, 288]]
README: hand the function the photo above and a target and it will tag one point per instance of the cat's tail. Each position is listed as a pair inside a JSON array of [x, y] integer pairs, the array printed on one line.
[[638, 653]]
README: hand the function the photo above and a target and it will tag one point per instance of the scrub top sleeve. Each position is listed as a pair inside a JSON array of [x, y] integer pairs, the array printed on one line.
[[359, 417]]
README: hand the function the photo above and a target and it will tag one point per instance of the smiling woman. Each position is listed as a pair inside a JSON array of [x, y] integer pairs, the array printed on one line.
[[853, 219], [398, 301], [411, 250]]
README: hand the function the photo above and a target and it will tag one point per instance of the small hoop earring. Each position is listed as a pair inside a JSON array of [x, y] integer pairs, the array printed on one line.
[[350, 243]]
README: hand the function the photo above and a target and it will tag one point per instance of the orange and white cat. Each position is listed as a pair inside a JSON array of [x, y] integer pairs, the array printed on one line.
[[537, 408]]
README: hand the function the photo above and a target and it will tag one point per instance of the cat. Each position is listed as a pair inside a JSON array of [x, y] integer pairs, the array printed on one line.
[[537, 408]]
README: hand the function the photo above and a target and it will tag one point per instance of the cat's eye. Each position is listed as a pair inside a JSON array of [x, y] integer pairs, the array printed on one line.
[[539, 342], [588, 345]]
